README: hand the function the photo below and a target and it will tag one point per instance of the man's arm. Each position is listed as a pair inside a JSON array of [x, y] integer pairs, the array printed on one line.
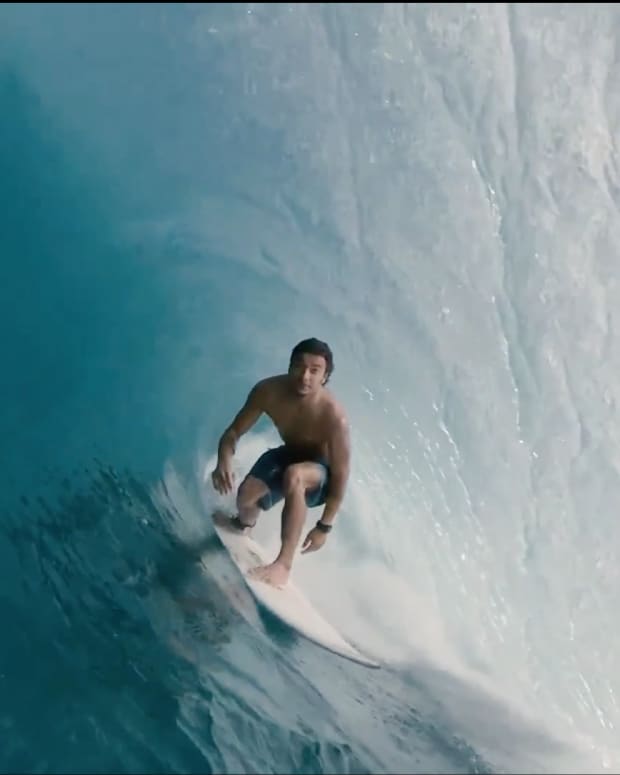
[[340, 464], [245, 418]]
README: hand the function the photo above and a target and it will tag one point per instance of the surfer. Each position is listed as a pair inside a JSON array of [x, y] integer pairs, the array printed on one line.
[[311, 467]]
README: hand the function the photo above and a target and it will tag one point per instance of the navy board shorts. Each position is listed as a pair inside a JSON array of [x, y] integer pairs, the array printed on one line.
[[270, 468]]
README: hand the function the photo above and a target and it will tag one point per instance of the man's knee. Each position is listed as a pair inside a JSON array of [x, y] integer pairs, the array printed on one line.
[[293, 480]]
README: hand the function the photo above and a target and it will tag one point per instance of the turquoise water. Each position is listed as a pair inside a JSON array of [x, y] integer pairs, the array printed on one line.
[[186, 192]]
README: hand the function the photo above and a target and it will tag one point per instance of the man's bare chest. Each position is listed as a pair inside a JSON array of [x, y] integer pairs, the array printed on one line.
[[299, 424]]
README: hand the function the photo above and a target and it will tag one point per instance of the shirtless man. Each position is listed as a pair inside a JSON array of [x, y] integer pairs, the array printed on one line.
[[310, 469]]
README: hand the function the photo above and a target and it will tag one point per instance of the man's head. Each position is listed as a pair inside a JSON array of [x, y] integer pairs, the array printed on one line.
[[311, 365]]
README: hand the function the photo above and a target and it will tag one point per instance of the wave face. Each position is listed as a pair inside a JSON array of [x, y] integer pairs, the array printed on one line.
[[186, 192]]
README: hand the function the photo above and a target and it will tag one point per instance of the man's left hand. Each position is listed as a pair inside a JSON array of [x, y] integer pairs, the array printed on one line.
[[313, 541]]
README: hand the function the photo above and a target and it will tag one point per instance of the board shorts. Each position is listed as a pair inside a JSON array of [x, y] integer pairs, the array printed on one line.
[[270, 468]]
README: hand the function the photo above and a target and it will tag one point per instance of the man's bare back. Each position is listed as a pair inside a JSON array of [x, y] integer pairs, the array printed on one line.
[[312, 466]]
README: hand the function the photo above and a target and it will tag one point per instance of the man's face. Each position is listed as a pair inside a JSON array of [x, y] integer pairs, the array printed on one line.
[[307, 373]]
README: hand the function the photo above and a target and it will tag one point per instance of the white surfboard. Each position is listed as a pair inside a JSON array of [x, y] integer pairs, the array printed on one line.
[[289, 604]]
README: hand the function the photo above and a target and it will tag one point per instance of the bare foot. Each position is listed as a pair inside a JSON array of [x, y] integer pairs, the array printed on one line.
[[275, 574]]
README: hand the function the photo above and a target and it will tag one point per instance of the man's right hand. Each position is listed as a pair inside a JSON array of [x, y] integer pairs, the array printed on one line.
[[223, 477]]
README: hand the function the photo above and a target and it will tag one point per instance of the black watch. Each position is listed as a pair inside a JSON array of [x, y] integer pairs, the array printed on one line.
[[323, 527]]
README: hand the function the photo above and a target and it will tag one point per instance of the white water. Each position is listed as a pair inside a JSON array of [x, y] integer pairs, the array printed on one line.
[[435, 192], [461, 181]]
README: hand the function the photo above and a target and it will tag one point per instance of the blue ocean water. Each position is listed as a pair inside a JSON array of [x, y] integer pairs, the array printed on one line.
[[186, 191]]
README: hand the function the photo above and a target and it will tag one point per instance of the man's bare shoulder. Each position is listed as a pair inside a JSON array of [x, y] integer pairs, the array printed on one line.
[[335, 413], [267, 389]]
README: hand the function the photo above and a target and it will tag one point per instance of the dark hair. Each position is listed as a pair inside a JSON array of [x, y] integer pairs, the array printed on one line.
[[314, 346]]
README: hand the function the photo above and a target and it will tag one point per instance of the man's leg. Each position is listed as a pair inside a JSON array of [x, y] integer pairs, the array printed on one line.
[[250, 493], [260, 482], [298, 479]]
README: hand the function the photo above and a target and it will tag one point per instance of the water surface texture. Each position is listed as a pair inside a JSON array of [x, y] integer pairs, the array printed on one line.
[[186, 191]]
